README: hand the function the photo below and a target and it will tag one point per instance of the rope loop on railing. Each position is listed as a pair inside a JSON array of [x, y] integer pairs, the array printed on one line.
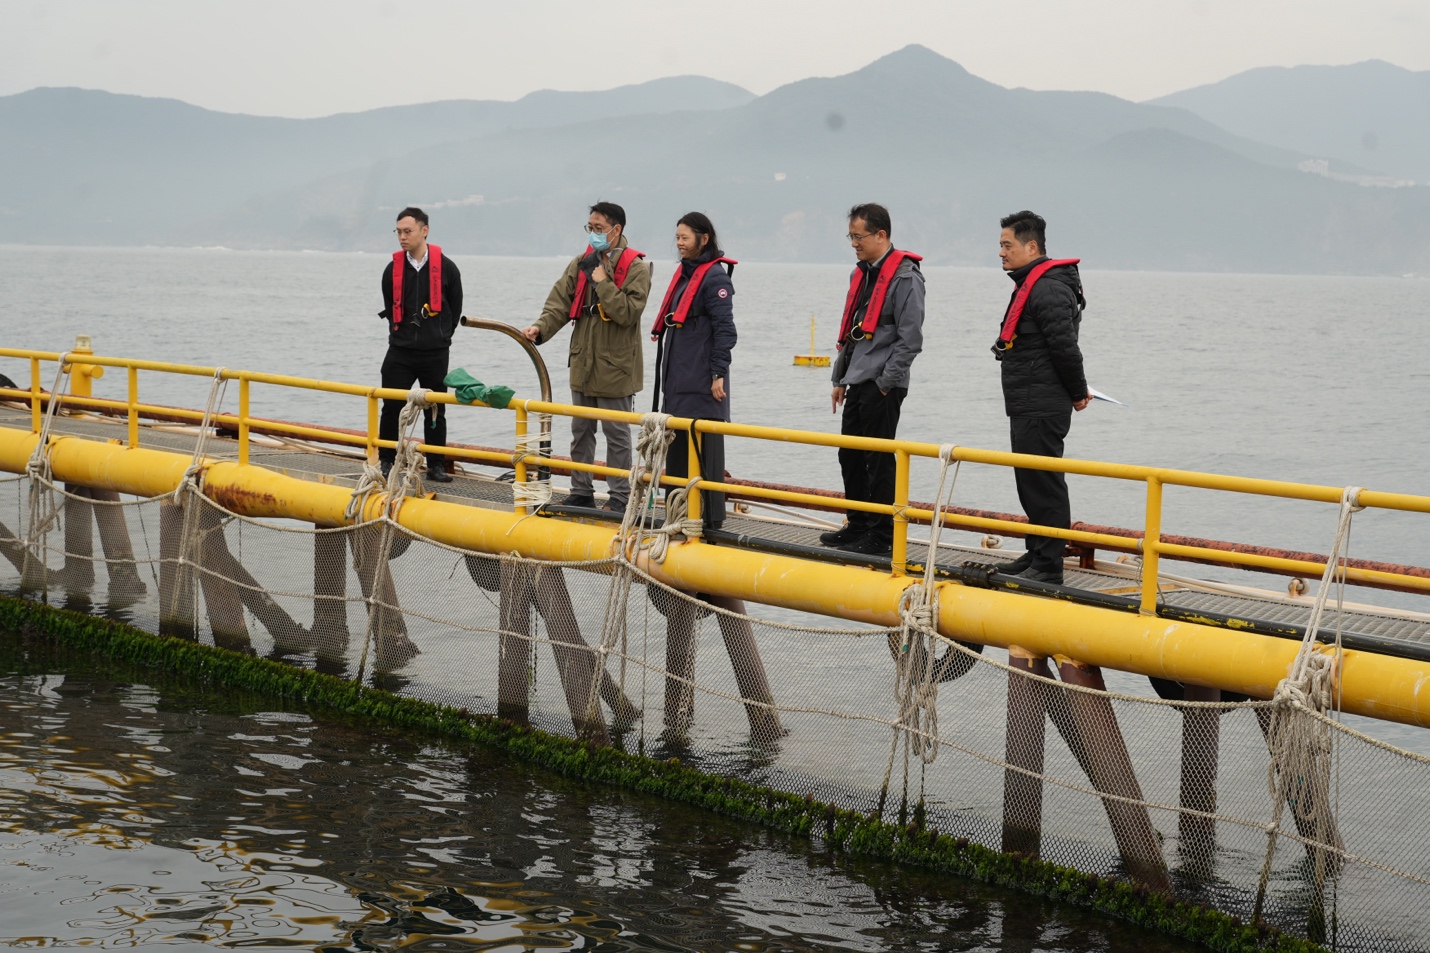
[[194, 472], [44, 508], [1298, 736], [407, 463], [37, 468], [916, 655], [531, 492], [637, 532]]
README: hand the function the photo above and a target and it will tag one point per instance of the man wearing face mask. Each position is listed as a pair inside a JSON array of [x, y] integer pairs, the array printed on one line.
[[603, 292]]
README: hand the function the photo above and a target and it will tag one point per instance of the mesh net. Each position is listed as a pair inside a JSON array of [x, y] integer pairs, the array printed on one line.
[[1020, 754]]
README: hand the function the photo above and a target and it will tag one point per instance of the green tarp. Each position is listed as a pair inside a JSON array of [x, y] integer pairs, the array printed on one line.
[[468, 389]]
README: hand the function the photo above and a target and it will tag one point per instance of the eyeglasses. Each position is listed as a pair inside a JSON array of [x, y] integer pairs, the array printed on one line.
[[598, 229], [405, 232], [856, 239]]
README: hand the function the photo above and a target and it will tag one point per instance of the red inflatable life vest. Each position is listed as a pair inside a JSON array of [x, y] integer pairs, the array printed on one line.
[[623, 268], [665, 316], [891, 264], [1020, 300], [434, 282]]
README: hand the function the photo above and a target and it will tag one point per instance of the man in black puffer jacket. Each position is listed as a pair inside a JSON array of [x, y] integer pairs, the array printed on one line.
[[1043, 381]]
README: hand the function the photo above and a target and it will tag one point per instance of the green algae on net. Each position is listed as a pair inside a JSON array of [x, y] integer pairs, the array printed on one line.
[[837, 828]]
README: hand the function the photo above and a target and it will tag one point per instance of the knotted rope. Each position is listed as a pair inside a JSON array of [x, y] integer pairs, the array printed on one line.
[[404, 472], [405, 465], [194, 472], [1300, 741], [192, 482], [637, 533], [44, 510], [916, 653], [533, 492]]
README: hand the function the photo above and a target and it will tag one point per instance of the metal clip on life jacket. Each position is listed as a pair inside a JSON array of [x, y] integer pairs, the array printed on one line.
[[673, 314], [433, 307], [579, 308], [1009, 331], [848, 330]]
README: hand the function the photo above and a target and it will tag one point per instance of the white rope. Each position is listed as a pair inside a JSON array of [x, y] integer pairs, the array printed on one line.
[[915, 681], [404, 472], [533, 492], [638, 531], [371, 481], [44, 509], [1301, 747], [408, 463], [404, 469], [37, 468], [194, 473]]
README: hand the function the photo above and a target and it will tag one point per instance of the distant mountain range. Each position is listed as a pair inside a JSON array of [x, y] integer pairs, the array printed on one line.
[[1370, 114], [1160, 185]]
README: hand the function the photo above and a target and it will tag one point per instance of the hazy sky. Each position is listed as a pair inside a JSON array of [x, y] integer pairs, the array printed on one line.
[[314, 57]]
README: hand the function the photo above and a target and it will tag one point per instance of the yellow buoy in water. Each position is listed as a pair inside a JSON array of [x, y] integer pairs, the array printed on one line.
[[811, 359]]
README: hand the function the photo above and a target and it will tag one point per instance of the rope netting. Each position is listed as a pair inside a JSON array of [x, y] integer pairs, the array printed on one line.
[[1044, 757]]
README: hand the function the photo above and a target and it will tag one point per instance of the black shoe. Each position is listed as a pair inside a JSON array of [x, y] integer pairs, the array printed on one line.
[[386, 468], [868, 545], [1054, 576], [839, 537], [614, 506], [585, 502], [437, 473], [1020, 565]]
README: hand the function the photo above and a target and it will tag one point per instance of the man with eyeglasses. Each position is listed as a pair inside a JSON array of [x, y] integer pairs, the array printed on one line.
[[879, 337], [422, 297], [602, 292]]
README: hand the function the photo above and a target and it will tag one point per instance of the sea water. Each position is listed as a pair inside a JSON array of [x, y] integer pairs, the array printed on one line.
[[1312, 379]]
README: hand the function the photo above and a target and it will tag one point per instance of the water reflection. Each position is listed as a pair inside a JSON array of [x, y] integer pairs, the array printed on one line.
[[141, 813]]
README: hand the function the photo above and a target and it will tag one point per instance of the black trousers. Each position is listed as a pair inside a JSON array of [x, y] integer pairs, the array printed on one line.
[[400, 369], [712, 467], [1044, 494], [869, 476]]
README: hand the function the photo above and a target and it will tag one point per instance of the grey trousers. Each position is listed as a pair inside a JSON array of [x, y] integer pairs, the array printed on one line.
[[618, 445]]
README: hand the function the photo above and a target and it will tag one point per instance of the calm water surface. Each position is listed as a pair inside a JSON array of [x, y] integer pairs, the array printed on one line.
[[146, 812], [133, 812], [1317, 379]]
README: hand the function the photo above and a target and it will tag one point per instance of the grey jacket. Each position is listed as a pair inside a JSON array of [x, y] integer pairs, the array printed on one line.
[[885, 357]]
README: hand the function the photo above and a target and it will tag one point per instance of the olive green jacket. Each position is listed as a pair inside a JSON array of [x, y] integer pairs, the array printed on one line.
[[606, 356]]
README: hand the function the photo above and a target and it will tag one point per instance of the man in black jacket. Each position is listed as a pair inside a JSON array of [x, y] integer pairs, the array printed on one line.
[[419, 336], [1043, 381]]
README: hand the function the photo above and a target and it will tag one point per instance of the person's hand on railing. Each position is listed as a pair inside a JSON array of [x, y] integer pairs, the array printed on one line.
[[531, 334]]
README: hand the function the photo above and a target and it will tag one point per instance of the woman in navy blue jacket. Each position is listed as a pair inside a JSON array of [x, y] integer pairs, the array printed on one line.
[[695, 331]]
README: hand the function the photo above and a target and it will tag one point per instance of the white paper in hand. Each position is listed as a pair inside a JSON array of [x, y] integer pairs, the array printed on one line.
[[1096, 394]]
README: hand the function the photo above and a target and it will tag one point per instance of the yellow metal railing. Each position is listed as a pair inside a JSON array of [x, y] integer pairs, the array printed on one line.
[[86, 366]]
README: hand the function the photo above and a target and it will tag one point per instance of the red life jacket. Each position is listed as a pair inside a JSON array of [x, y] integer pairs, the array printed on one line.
[[623, 268], [891, 264], [434, 282], [1020, 300], [677, 318]]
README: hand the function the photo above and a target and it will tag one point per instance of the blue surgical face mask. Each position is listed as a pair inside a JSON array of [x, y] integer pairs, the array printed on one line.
[[599, 241]]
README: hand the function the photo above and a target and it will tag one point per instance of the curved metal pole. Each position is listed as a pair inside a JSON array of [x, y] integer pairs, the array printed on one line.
[[542, 473], [515, 334]]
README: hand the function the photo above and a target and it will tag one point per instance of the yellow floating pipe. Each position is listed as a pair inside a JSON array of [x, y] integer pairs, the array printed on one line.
[[1377, 686]]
